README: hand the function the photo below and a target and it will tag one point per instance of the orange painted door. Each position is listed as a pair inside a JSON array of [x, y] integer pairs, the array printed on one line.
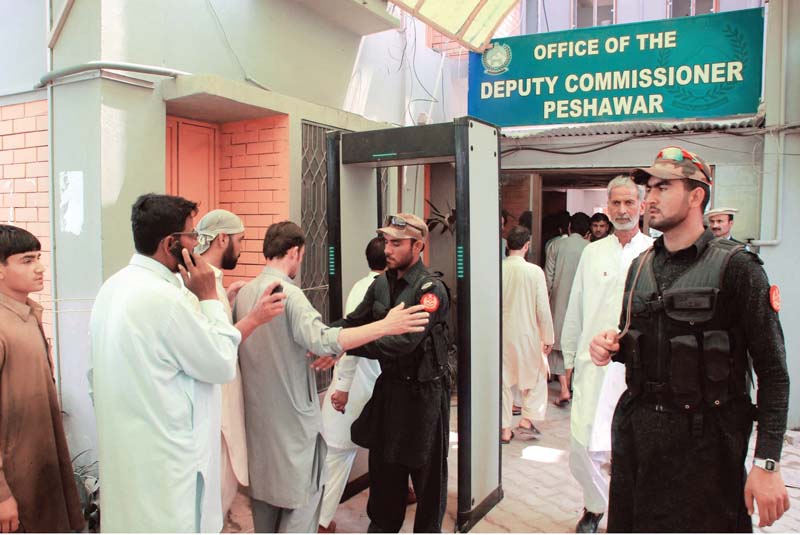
[[192, 162]]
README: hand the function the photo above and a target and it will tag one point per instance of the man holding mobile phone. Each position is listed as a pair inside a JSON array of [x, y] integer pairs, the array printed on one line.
[[154, 358]]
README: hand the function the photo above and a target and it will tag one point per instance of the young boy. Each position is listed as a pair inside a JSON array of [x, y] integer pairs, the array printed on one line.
[[37, 486]]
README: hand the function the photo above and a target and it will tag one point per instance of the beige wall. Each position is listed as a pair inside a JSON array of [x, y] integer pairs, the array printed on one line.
[[280, 43]]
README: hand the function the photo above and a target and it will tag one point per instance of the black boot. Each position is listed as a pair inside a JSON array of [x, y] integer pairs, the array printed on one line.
[[588, 522]]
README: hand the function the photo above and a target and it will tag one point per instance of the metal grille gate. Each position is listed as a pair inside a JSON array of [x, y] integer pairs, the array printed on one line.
[[383, 189], [314, 272]]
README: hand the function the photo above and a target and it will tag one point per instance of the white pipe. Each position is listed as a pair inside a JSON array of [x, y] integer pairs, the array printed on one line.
[[55, 349], [51, 76], [780, 157]]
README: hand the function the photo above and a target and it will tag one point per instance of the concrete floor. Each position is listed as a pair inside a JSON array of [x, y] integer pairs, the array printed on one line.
[[540, 493]]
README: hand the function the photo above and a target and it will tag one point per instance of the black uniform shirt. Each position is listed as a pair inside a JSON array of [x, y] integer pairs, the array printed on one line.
[[406, 419], [745, 296], [407, 289]]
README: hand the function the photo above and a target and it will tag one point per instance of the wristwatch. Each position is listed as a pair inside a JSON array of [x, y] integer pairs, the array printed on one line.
[[770, 465]]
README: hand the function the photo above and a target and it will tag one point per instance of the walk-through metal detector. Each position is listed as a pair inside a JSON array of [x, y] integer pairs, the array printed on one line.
[[474, 147]]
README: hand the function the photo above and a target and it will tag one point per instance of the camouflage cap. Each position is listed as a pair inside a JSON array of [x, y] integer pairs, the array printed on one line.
[[404, 226], [674, 163]]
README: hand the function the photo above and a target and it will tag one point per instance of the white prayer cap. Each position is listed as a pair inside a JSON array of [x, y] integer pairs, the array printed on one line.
[[214, 223], [722, 211]]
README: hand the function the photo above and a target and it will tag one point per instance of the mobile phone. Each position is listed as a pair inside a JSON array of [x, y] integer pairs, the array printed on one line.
[[278, 289]]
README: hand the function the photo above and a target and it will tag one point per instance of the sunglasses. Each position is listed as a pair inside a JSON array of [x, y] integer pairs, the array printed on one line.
[[677, 154], [397, 221]]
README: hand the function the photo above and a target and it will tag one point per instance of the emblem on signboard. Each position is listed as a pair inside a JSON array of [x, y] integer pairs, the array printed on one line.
[[496, 58]]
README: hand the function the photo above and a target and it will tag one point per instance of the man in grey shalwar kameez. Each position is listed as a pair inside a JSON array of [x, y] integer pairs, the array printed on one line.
[[560, 268], [286, 451]]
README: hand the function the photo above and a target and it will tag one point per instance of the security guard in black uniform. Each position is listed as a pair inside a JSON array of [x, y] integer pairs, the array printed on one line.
[[405, 425], [694, 307]]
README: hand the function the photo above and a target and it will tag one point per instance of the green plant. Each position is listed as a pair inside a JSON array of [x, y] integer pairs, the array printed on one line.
[[447, 221], [86, 479]]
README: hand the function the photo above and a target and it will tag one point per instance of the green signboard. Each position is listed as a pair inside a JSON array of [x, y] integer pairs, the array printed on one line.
[[690, 67]]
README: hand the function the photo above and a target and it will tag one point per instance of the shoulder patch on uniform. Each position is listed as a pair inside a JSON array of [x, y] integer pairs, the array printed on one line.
[[775, 298], [426, 285], [429, 302]]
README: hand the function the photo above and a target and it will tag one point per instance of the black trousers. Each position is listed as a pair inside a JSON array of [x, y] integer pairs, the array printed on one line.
[[679, 472], [388, 489]]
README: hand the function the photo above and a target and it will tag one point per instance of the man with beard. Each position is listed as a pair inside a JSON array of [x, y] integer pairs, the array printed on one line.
[[600, 226], [286, 450], [219, 242], [594, 305], [405, 425], [155, 356], [694, 307]]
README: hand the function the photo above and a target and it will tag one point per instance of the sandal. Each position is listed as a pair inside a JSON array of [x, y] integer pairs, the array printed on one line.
[[561, 402], [532, 430], [508, 441]]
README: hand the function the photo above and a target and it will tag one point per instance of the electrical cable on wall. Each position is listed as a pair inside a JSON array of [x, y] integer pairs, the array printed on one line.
[[413, 67], [228, 45]]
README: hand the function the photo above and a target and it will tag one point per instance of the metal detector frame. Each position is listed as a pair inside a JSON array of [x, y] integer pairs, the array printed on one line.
[[417, 145]]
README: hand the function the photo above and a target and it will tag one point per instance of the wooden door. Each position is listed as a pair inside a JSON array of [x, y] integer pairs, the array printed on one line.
[[192, 162]]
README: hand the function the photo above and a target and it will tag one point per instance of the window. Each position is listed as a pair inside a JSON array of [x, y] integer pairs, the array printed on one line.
[[588, 13], [688, 8]]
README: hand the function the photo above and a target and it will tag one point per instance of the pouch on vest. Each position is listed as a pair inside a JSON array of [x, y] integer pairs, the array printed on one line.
[[630, 351], [717, 366], [638, 304], [690, 305], [684, 372]]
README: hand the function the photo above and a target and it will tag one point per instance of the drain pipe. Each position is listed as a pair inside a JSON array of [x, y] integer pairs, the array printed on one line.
[[56, 353], [51, 76], [780, 157]]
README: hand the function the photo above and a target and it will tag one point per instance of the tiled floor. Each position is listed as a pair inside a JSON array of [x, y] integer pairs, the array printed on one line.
[[540, 494]]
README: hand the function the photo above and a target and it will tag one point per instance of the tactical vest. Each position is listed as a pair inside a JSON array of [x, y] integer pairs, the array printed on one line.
[[683, 350], [426, 362]]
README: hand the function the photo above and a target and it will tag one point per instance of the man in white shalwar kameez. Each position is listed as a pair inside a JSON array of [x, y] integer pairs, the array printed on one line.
[[353, 381], [594, 306], [285, 449], [527, 335], [219, 242], [154, 357]]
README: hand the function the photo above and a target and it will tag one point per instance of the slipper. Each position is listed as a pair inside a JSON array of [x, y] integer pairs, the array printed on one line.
[[529, 430], [561, 403], [504, 441], [516, 411]]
